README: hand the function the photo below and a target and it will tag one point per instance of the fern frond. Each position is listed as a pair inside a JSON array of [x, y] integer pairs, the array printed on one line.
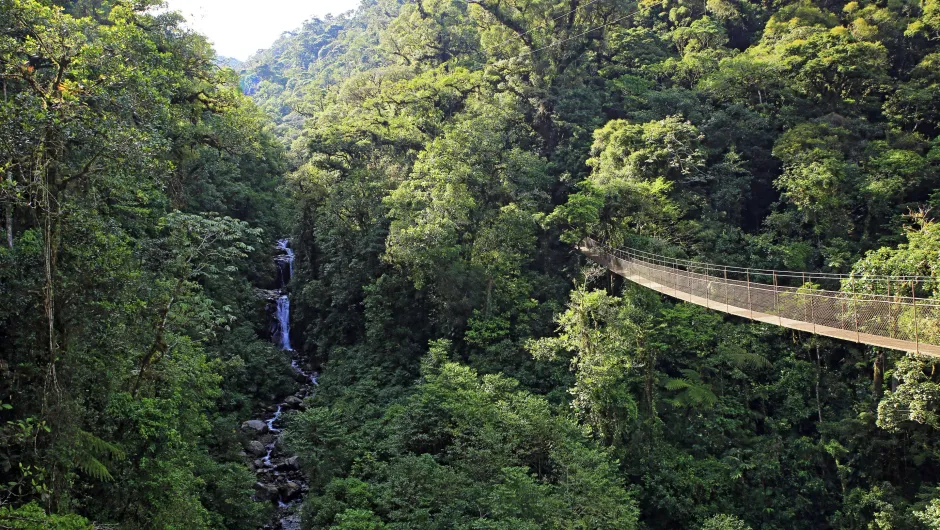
[[92, 467], [677, 383], [89, 452], [749, 360], [703, 395], [99, 447]]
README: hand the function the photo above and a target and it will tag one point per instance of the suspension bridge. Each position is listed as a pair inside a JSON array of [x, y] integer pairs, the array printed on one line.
[[876, 310]]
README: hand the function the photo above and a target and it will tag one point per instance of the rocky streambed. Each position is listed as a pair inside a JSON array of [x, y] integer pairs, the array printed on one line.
[[279, 478]]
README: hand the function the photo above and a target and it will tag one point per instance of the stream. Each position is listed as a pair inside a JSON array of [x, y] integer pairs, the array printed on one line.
[[280, 480]]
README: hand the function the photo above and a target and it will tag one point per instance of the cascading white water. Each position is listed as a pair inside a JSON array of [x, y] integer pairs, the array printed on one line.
[[283, 303], [312, 377], [289, 252], [277, 469], [283, 322], [270, 422]]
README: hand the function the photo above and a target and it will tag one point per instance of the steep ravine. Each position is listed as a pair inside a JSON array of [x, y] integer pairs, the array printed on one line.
[[280, 480]]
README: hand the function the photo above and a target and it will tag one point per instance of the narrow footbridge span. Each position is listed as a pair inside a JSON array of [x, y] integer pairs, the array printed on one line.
[[877, 310]]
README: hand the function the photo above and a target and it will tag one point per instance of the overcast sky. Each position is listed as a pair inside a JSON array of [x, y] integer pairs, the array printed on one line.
[[238, 28]]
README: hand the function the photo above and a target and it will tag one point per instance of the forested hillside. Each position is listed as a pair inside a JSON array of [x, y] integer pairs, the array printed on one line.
[[140, 198], [434, 162], [477, 375]]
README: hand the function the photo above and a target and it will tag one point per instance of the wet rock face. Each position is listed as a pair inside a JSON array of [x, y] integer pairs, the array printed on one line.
[[267, 294]]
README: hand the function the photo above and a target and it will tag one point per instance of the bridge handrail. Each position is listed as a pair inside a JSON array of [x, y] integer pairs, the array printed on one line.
[[700, 267], [899, 319]]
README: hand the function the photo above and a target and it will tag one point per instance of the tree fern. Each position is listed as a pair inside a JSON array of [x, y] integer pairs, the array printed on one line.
[[748, 360], [691, 390], [90, 451]]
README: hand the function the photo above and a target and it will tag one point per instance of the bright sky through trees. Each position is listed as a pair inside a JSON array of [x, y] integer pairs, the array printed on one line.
[[238, 28]]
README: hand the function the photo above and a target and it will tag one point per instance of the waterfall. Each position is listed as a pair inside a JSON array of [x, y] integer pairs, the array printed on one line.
[[283, 321], [279, 475], [288, 257], [285, 265]]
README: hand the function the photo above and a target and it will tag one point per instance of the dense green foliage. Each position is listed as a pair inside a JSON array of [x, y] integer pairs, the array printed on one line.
[[442, 157], [449, 153], [139, 192]]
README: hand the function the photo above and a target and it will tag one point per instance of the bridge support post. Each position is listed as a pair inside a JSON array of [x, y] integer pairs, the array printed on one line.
[[675, 270], [892, 325], [855, 310], [812, 310], [812, 305], [727, 296], [707, 295], [842, 314], [803, 286], [750, 308], [776, 301]]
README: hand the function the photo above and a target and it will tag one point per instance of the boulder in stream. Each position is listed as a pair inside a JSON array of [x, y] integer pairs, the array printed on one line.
[[255, 426], [289, 464], [256, 448], [289, 491], [292, 402], [266, 492]]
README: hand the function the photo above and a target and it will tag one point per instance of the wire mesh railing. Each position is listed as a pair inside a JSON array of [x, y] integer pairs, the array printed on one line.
[[896, 319]]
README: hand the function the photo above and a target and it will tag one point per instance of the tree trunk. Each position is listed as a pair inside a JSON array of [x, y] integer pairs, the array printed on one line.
[[489, 295], [878, 377], [9, 181], [10, 215], [818, 383]]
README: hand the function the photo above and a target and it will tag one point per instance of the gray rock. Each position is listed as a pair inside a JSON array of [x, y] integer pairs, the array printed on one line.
[[266, 492], [255, 426], [256, 448], [292, 402], [288, 464], [267, 294], [289, 491]]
